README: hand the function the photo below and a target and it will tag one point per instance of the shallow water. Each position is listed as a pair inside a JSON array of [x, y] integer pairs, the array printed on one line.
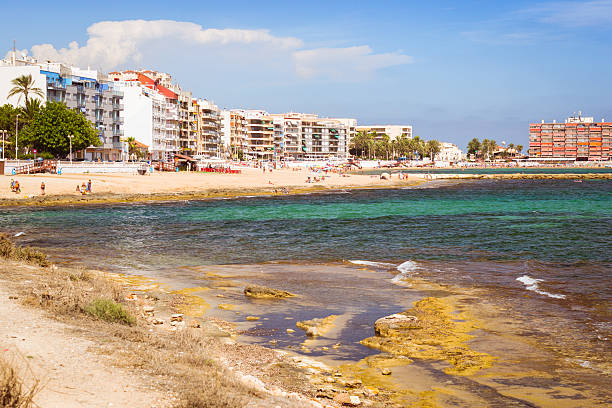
[[532, 257]]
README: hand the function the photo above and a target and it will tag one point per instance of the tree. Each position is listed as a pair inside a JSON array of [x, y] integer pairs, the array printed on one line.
[[432, 147], [8, 116], [474, 146], [519, 148], [49, 130], [32, 108], [24, 85]]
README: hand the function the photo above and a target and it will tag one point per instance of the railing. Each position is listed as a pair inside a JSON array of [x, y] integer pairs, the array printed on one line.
[[42, 166]]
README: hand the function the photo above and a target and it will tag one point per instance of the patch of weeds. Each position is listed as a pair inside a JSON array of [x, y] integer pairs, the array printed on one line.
[[13, 393], [107, 310], [9, 250]]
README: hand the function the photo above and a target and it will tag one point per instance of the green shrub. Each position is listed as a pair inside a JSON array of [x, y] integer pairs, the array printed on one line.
[[106, 309]]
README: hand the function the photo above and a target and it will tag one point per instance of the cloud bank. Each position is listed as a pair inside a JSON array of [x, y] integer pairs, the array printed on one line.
[[114, 44]]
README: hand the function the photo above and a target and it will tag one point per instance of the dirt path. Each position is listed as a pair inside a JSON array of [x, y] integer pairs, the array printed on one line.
[[72, 375]]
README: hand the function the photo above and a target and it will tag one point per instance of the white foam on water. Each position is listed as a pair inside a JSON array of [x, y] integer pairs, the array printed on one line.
[[405, 270], [370, 263], [532, 285], [407, 267]]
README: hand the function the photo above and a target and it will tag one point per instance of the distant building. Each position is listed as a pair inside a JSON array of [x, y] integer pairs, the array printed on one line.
[[151, 114], [307, 136], [449, 152], [88, 91], [393, 131], [579, 138]]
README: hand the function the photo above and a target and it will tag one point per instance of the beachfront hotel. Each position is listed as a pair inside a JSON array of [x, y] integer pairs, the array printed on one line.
[[578, 139], [89, 91], [393, 131]]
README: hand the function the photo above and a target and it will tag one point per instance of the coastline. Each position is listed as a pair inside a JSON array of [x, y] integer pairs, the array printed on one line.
[[227, 187]]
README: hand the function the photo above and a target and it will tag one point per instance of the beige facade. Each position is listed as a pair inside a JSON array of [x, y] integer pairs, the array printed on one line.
[[393, 131]]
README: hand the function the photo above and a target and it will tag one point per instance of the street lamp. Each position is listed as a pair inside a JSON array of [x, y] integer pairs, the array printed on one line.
[[16, 134], [70, 137], [3, 135]]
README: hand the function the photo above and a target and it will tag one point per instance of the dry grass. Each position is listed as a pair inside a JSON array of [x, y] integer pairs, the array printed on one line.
[[187, 362], [13, 392], [8, 250]]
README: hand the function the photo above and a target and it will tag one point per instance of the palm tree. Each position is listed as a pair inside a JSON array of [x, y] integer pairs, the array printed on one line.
[[32, 107], [131, 141], [24, 85]]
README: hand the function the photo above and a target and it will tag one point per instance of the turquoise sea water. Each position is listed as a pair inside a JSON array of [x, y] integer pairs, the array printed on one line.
[[521, 170], [540, 250]]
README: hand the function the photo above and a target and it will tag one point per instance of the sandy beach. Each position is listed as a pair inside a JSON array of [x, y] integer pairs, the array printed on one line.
[[188, 182]]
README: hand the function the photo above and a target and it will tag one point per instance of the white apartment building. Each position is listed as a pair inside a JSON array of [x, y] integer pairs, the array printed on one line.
[[85, 90], [208, 135], [393, 131], [234, 132], [449, 152], [306, 136], [151, 114], [149, 119]]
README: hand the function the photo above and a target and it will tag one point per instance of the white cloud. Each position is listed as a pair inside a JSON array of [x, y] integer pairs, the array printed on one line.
[[349, 63], [573, 13], [118, 44], [113, 43]]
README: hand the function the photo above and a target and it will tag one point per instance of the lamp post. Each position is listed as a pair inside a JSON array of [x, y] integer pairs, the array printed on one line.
[[16, 134], [70, 137], [3, 134]]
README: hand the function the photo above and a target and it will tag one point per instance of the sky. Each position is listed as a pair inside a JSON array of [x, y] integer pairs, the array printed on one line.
[[453, 70]]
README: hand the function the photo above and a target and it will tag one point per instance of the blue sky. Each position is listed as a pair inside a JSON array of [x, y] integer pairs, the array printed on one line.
[[454, 70]]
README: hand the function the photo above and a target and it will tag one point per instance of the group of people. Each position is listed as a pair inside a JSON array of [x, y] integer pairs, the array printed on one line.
[[84, 188], [15, 186]]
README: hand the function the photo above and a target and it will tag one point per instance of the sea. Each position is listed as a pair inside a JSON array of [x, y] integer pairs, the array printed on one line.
[[530, 260]]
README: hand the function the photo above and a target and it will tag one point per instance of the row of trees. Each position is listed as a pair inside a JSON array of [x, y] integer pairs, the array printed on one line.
[[44, 127], [486, 148], [373, 146]]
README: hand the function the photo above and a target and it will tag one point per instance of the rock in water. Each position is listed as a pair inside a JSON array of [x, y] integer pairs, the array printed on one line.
[[395, 323], [262, 292], [318, 326]]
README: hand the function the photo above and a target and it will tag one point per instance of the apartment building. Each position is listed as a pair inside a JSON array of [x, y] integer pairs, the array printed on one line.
[[259, 135], [306, 136], [393, 131], [579, 138], [208, 128], [151, 113], [234, 132], [85, 90], [449, 152]]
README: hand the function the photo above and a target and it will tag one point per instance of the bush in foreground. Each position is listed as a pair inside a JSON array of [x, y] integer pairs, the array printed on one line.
[[13, 394], [107, 310], [9, 250]]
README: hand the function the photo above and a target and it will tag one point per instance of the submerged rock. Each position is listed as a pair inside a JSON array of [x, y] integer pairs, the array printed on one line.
[[318, 326], [262, 292]]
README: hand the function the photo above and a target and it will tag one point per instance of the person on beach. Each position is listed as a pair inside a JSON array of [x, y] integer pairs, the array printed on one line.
[[78, 189], [17, 187], [12, 185], [42, 188], [89, 186], [84, 188]]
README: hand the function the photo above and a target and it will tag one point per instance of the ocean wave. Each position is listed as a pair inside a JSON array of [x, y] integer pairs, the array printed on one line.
[[407, 267], [370, 263], [532, 285]]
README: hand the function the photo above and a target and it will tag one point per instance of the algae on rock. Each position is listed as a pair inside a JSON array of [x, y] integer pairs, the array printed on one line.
[[431, 331]]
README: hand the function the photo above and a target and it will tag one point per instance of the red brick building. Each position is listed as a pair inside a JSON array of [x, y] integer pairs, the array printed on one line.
[[578, 138]]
